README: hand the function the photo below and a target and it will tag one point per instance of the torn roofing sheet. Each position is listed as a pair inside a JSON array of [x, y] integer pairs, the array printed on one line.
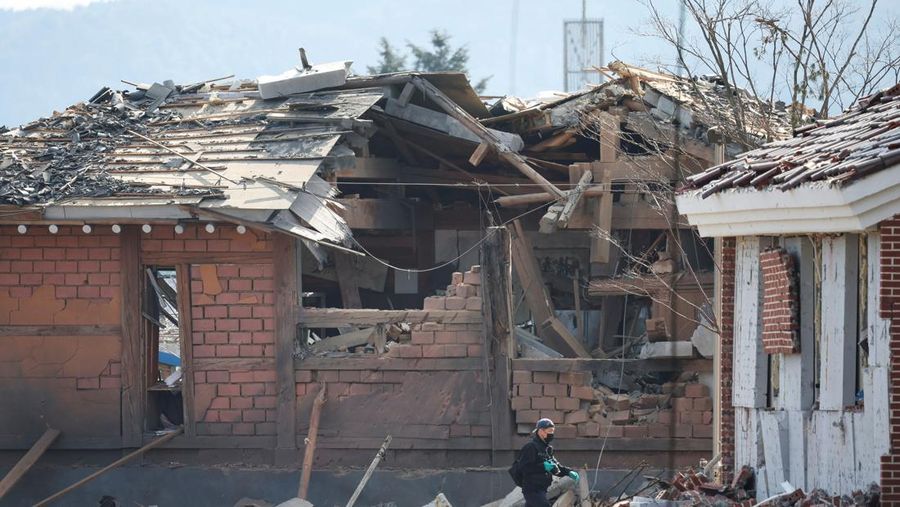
[[222, 145]]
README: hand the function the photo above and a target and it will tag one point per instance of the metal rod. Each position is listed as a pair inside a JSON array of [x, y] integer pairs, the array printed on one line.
[[378, 457]]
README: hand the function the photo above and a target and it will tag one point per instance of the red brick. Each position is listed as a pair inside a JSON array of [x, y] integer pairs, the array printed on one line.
[[588, 429], [475, 350], [556, 390], [567, 404], [634, 431], [527, 416], [545, 377], [445, 337], [110, 382], [565, 431], [228, 389], [529, 390], [216, 376], [521, 377], [582, 392], [253, 389], [702, 431], [230, 415], [703, 404], [254, 415], [520, 403], [204, 351], [577, 417], [227, 351], [221, 402], [682, 404], [456, 350], [543, 403], [696, 390], [88, 383]]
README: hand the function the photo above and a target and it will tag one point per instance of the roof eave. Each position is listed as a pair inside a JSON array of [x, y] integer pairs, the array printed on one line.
[[807, 209]]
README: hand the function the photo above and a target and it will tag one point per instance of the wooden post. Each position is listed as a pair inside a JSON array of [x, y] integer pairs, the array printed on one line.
[[286, 304], [311, 439], [133, 394], [26, 462], [121, 461], [498, 334], [185, 328], [362, 484]]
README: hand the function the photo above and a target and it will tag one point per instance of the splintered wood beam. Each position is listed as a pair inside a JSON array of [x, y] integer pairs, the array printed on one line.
[[311, 438], [478, 155], [602, 220], [537, 298], [344, 341], [484, 134], [557, 217], [27, 461], [406, 94]]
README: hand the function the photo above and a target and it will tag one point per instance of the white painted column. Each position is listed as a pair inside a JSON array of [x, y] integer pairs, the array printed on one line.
[[840, 268], [749, 386]]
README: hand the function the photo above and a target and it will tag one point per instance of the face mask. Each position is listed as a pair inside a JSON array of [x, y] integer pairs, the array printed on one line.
[[549, 438]]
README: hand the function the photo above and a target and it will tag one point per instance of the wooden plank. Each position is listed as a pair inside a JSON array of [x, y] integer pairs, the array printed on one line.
[[338, 317], [840, 263], [746, 441], [286, 301], [121, 461], [344, 341], [27, 461], [133, 395], [406, 94], [186, 335], [512, 201], [484, 134], [345, 269], [573, 199], [537, 298], [797, 430], [85, 330], [749, 385], [773, 445], [498, 326], [388, 364], [478, 155], [310, 448]]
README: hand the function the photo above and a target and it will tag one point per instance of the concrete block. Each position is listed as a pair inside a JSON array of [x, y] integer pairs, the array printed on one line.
[[472, 278], [301, 80], [433, 303], [456, 278], [473, 303], [455, 303], [667, 350]]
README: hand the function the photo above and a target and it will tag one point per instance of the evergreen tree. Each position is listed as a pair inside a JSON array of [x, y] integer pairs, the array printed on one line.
[[440, 57], [389, 59]]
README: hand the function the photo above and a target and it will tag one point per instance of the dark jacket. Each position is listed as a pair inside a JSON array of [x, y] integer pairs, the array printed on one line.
[[531, 460]]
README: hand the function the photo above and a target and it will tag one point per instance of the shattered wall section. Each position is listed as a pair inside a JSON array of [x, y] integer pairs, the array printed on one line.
[[65, 377], [890, 309], [679, 410], [781, 302]]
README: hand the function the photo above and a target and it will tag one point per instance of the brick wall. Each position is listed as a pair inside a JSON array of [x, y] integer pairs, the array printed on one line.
[[409, 401], [679, 410], [726, 360], [232, 310], [70, 278], [781, 324], [890, 309]]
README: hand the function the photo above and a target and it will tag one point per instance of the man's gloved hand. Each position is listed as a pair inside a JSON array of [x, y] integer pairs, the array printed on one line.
[[549, 466], [574, 475]]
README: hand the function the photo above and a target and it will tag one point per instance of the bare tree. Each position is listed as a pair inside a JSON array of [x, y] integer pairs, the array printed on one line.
[[831, 52]]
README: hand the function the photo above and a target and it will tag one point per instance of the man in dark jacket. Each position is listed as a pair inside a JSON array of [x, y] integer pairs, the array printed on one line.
[[538, 465]]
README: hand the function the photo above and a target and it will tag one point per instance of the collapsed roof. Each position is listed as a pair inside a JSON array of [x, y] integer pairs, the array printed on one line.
[[222, 152]]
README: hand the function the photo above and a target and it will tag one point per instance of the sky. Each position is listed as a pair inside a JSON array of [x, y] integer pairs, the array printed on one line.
[[54, 53]]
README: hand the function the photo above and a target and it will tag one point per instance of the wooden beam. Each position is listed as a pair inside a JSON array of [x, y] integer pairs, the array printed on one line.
[[186, 331], [406, 94], [311, 436], [603, 214], [478, 155], [345, 270], [26, 461], [540, 197], [484, 134], [388, 364], [573, 199], [132, 342], [286, 301], [171, 258], [537, 298], [85, 330], [337, 317], [498, 326], [156, 443]]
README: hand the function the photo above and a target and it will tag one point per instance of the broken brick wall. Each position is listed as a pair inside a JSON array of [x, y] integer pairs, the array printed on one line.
[[890, 309], [427, 392], [679, 410], [726, 360], [63, 369], [232, 327], [781, 302]]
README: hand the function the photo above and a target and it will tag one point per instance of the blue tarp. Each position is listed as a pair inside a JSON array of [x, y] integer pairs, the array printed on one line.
[[169, 359]]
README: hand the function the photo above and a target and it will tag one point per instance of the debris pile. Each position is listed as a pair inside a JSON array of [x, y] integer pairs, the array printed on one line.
[[587, 407], [695, 488]]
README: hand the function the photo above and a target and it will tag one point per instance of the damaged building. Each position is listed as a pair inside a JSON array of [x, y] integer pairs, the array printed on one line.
[[807, 240], [214, 257]]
